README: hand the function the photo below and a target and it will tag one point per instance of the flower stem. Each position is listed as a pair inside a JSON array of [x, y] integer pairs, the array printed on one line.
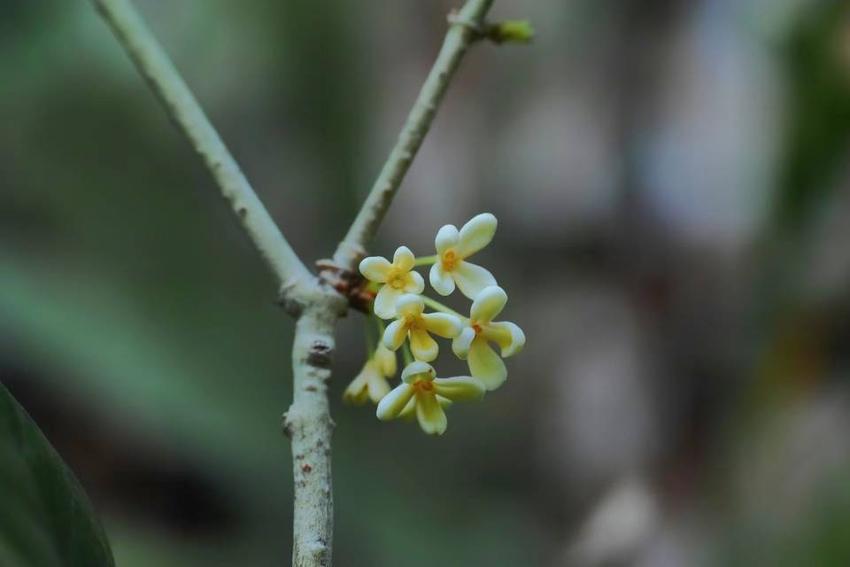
[[406, 354], [425, 260], [437, 306]]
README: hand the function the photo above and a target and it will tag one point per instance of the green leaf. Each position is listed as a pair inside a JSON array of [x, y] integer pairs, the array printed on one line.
[[45, 516]]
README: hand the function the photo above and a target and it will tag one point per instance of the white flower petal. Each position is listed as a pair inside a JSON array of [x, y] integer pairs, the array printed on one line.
[[392, 404], [415, 283], [386, 361], [488, 304], [415, 370], [441, 280], [472, 278], [378, 387], [486, 365], [403, 259], [385, 301], [375, 268], [459, 388], [507, 335], [462, 342], [423, 346], [394, 335], [409, 305], [356, 392], [442, 324], [447, 237], [432, 418], [476, 234], [409, 410]]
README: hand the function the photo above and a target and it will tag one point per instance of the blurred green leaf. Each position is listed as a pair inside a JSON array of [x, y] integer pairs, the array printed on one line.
[[46, 518]]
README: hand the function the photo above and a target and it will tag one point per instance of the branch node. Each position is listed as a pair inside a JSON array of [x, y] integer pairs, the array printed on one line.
[[289, 297], [455, 19], [348, 283]]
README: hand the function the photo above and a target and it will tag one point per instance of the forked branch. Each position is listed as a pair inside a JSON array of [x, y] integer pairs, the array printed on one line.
[[308, 420]]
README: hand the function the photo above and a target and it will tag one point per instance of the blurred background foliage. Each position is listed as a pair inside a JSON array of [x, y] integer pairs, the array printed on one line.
[[672, 186]]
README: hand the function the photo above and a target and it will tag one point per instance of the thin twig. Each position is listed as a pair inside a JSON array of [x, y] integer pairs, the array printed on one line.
[[155, 66], [465, 28]]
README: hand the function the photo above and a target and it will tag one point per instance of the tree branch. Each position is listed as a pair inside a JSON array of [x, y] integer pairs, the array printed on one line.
[[309, 425], [316, 304], [155, 66], [466, 26]]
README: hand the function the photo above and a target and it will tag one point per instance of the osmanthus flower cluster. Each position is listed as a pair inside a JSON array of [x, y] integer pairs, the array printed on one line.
[[400, 299]]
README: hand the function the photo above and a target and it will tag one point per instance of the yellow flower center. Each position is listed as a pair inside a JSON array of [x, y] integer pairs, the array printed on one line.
[[413, 323], [424, 386], [450, 260], [477, 328], [396, 279]]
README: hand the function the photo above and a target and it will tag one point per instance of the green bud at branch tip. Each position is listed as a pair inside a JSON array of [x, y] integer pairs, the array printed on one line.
[[510, 31]]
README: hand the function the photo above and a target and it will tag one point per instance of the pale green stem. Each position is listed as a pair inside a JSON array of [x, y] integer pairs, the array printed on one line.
[[426, 260], [155, 66], [437, 306], [465, 28], [406, 355]]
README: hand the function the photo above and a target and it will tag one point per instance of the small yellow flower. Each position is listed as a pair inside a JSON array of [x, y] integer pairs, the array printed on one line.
[[453, 248], [416, 325], [409, 411], [372, 383], [398, 277], [473, 343], [420, 386]]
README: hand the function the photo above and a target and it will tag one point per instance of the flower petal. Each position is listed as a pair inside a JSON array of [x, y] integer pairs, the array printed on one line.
[[507, 335], [442, 324], [415, 370], [414, 284], [462, 342], [459, 388], [432, 418], [378, 387], [476, 234], [423, 346], [441, 280], [356, 392], [375, 268], [384, 306], [472, 278], [409, 305], [488, 304], [392, 404], [486, 365], [404, 259], [386, 361], [447, 237], [409, 410], [394, 335]]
